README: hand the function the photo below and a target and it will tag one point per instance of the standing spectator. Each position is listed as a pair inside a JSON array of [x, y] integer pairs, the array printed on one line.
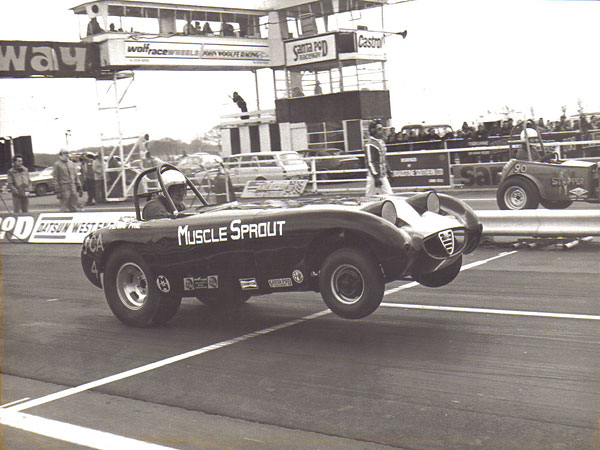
[[87, 174], [98, 171], [391, 137], [19, 184], [227, 29], [94, 27], [377, 168], [188, 28], [239, 100], [66, 182]]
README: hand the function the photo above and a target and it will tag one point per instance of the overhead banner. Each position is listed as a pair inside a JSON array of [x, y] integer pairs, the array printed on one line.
[[420, 169], [310, 50], [189, 55], [22, 59]]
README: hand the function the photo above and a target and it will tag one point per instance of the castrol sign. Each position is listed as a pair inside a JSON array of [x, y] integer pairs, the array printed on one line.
[[370, 43], [310, 50]]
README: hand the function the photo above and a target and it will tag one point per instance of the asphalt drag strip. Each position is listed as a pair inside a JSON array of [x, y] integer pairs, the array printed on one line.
[[12, 414]]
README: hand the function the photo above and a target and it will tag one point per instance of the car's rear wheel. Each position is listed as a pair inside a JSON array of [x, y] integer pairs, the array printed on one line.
[[517, 194], [556, 204], [41, 189], [132, 292], [351, 283], [440, 277]]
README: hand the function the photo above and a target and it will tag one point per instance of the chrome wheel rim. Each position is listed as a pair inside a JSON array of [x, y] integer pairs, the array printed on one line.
[[515, 197], [132, 286], [347, 284]]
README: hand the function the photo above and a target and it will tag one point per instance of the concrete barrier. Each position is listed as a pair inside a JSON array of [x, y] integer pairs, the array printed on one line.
[[540, 222]]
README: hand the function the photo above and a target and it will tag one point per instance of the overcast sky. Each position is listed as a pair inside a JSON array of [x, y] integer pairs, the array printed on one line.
[[460, 60]]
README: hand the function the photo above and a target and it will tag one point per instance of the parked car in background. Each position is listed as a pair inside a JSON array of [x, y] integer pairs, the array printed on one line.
[[333, 159], [41, 182], [197, 162], [263, 166]]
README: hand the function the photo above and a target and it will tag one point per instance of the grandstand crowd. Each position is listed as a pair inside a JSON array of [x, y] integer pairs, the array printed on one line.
[[486, 130]]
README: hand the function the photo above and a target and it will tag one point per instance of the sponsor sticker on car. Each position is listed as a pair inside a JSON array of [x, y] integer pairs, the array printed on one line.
[[280, 282]]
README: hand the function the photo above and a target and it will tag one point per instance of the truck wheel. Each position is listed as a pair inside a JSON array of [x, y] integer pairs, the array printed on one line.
[[351, 283], [556, 204], [41, 189], [440, 277], [517, 193], [132, 293]]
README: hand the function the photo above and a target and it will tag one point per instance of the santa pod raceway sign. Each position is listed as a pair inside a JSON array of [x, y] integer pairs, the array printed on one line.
[[21, 59], [60, 228]]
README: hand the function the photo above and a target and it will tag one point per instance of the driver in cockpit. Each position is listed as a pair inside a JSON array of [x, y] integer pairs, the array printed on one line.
[[176, 185], [530, 135]]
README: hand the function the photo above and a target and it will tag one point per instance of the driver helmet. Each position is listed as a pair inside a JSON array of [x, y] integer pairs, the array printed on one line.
[[528, 134], [172, 177]]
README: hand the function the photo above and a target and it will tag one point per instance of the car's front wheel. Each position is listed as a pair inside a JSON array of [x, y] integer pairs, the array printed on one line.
[[351, 283], [517, 193], [440, 277], [132, 292]]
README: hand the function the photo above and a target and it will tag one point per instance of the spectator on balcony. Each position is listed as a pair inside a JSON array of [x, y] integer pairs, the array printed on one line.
[[94, 27], [227, 29], [318, 89], [206, 29], [188, 28], [238, 100]]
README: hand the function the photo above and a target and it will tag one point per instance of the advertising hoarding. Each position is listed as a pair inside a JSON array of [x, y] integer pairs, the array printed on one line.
[[310, 50]]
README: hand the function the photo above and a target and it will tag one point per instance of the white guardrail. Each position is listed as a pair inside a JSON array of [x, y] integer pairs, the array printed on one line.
[[325, 180]]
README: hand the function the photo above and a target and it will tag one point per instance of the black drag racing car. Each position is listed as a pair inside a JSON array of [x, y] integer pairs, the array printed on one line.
[[224, 254]]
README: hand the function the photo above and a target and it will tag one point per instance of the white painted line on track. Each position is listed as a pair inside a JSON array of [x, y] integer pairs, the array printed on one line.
[[73, 434], [465, 267], [509, 312], [6, 405], [161, 363]]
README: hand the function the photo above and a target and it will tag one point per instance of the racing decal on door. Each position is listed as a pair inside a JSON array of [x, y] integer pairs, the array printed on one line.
[[248, 284], [193, 283], [234, 232], [298, 276], [280, 282], [163, 284]]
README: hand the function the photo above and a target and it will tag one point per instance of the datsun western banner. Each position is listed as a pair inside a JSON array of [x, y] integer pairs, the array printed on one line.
[[420, 169], [55, 228]]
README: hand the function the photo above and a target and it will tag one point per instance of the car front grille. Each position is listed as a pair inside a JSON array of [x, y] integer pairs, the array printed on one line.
[[445, 243]]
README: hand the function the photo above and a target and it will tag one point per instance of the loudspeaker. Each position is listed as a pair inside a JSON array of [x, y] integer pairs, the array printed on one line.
[[22, 146]]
